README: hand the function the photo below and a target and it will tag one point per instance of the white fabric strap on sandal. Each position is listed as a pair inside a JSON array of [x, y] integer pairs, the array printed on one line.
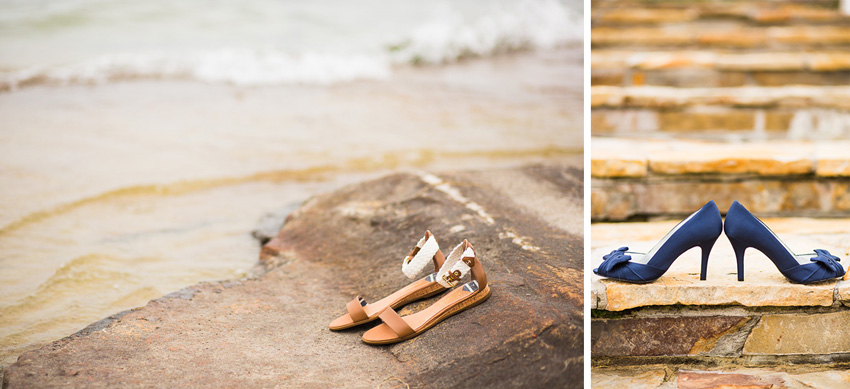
[[428, 247], [454, 268]]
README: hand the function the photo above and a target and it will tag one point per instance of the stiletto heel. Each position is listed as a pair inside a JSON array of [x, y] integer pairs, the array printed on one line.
[[701, 229], [706, 250], [739, 248], [745, 230]]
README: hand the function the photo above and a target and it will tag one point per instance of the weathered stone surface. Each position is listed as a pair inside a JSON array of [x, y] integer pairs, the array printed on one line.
[[781, 197], [824, 379], [750, 96], [659, 336], [732, 165], [823, 333], [688, 379], [759, 13], [833, 167], [779, 79], [826, 62], [843, 289], [763, 284], [690, 157], [773, 37], [774, 61], [618, 168], [272, 330], [772, 178], [677, 121], [653, 376], [740, 122], [646, 377], [644, 15]]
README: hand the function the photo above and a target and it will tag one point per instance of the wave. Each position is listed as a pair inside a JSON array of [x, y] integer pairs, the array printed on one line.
[[521, 26], [234, 66], [445, 38]]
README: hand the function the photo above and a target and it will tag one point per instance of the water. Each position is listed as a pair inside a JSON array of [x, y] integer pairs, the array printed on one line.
[[141, 143], [262, 42]]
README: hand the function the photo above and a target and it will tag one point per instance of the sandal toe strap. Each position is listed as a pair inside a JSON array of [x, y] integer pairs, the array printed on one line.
[[395, 322], [355, 309]]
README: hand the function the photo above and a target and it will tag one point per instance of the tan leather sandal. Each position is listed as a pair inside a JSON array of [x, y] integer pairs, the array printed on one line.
[[426, 250], [460, 261]]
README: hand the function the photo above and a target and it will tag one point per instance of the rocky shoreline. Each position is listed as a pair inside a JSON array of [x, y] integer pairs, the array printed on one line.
[[271, 330]]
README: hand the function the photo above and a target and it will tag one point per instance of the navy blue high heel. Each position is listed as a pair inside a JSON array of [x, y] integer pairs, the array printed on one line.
[[745, 230], [701, 228]]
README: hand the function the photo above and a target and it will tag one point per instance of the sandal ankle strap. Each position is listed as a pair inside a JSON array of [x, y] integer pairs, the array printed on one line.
[[459, 263], [426, 250]]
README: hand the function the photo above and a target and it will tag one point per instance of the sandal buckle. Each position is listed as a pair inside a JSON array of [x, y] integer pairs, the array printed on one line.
[[452, 277], [469, 261]]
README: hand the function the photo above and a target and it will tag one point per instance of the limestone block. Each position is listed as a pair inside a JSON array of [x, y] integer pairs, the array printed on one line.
[[833, 167], [646, 15], [644, 377], [824, 379], [745, 164], [843, 288], [618, 167], [828, 61], [682, 335], [678, 121], [819, 333], [689, 379], [760, 61], [687, 289]]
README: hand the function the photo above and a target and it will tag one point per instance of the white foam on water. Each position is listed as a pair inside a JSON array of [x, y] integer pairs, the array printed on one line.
[[449, 32], [523, 25], [235, 66]]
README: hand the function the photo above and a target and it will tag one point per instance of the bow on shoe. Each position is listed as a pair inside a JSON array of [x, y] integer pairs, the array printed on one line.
[[828, 260], [613, 259]]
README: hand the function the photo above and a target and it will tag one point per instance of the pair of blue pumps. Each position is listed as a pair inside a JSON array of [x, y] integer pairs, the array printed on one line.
[[702, 228]]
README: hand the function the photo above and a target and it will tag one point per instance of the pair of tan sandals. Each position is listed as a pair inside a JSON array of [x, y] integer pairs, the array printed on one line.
[[448, 271]]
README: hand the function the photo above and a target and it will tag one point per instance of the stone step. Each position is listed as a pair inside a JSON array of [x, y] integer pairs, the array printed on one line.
[[688, 377], [709, 68], [713, 35], [682, 331], [644, 178], [758, 13], [789, 112], [659, 97], [721, 292]]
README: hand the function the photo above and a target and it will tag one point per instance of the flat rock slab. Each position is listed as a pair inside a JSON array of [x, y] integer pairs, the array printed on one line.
[[660, 335], [775, 37], [272, 330], [818, 61], [763, 284], [659, 376], [665, 97], [800, 334], [674, 12], [683, 157]]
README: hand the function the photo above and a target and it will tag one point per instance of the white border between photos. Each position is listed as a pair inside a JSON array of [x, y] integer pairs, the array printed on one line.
[[586, 128]]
